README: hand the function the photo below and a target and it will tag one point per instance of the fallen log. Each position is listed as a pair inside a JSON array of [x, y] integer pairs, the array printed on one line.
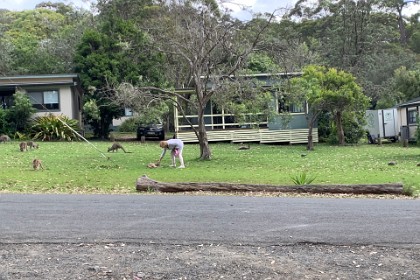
[[144, 183]]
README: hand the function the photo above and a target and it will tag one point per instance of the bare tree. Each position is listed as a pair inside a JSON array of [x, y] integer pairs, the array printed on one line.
[[205, 45]]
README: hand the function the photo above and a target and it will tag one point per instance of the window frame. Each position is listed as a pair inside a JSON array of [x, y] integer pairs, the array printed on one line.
[[412, 116], [45, 107], [284, 107]]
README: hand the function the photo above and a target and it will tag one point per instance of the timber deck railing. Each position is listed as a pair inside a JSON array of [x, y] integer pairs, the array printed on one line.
[[291, 136]]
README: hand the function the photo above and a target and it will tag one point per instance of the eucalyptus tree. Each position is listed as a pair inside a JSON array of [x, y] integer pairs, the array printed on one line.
[[397, 7], [42, 40], [289, 47], [205, 47], [357, 36], [414, 31]]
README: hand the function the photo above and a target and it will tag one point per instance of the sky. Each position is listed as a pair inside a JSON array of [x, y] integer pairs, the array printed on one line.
[[235, 5], [19, 5]]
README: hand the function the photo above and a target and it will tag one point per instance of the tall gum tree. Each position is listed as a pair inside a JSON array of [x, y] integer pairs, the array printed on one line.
[[205, 44]]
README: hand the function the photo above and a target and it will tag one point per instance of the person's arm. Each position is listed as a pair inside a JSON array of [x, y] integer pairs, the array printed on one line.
[[162, 155]]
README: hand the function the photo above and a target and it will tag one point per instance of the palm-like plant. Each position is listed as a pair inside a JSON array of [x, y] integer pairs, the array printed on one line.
[[52, 127]]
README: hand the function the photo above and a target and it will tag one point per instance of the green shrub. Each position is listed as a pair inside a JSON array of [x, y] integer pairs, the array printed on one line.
[[19, 115], [353, 129], [324, 126], [129, 125], [3, 122], [51, 127]]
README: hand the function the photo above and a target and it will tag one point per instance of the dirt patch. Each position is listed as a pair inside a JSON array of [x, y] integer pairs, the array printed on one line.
[[206, 261]]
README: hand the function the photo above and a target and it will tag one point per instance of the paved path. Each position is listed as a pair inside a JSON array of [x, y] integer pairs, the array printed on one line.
[[179, 219]]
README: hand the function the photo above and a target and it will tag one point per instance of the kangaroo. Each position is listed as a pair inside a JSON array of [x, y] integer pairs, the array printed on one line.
[[23, 146], [37, 163], [153, 165], [4, 138], [244, 147], [32, 145], [115, 147]]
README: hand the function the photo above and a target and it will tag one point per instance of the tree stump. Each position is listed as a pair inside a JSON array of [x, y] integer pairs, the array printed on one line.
[[144, 183]]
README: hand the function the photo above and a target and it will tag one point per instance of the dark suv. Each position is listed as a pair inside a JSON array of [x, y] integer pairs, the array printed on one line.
[[151, 131]]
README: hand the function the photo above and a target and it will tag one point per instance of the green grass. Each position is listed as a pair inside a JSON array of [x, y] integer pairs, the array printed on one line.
[[73, 167]]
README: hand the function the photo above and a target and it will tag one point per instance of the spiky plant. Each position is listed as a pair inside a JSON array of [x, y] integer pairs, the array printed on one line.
[[303, 179], [52, 127]]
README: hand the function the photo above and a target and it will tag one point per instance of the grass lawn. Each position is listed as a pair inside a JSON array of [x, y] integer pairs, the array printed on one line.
[[78, 167]]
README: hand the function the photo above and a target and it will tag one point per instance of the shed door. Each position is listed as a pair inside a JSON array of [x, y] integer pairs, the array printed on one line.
[[390, 122]]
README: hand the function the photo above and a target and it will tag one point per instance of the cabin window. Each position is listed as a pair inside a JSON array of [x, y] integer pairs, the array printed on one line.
[[412, 117], [286, 107], [45, 100]]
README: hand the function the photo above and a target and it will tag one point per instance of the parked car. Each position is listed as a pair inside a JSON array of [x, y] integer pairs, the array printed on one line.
[[151, 131]]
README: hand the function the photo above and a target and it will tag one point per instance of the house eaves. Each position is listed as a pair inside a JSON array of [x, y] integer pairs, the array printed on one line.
[[10, 82], [415, 101]]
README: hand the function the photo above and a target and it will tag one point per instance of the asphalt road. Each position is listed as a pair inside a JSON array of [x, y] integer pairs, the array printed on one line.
[[181, 219]]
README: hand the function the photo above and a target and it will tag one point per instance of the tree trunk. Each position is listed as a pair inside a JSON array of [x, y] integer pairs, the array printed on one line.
[[401, 27], [340, 131], [311, 121], [310, 146], [205, 152], [146, 184]]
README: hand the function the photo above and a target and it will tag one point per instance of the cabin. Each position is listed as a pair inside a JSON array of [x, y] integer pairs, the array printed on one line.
[[408, 113], [287, 125], [57, 94]]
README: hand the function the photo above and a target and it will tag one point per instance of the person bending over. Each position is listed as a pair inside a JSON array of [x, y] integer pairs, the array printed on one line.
[[176, 146]]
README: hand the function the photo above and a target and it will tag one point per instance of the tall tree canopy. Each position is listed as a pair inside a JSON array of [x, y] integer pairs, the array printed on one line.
[[116, 51], [360, 37], [43, 40]]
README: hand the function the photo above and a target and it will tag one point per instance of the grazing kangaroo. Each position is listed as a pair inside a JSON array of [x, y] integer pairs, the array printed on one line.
[[32, 145], [244, 147], [37, 163], [23, 146], [4, 138], [115, 147]]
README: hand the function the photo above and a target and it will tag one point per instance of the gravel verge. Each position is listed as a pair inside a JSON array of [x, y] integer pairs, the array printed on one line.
[[206, 261]]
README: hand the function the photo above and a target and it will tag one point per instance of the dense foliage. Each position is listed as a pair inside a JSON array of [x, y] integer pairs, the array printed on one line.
[[16, 118], [113, 52]]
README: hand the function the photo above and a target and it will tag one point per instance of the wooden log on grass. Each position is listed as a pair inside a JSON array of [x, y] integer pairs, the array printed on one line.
[[144, 183]]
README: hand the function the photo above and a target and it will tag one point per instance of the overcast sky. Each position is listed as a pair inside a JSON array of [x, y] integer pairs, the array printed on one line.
[[254, 5]]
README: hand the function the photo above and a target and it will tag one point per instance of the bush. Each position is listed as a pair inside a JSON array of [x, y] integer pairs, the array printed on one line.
[[129, 125], [3, 122], [18, 117], [51, 127], [353, 129], [324, 126]]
